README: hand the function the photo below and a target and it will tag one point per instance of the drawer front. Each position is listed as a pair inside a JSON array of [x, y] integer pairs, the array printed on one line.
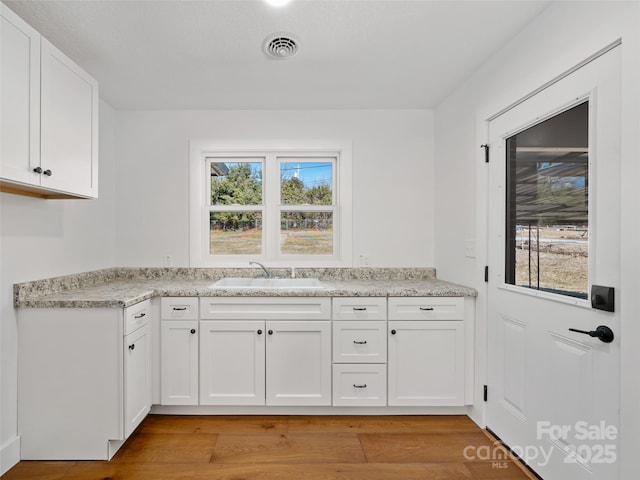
[[136, 316], [426, 308], [265, 308], [360, 342], [360, 308], [179, 308], [360, 385]]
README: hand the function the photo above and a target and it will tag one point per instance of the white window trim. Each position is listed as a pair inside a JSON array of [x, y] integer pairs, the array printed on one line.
[[199, 150]]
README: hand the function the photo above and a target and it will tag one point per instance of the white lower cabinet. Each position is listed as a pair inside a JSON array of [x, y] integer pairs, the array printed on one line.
[[254, 351], [179, 352], [137, 377], [232, 361], [265, 351], [252, 362], [360, 385], [360, 352], [360, 342], [179, 362], [84, 382], [426, 351], [298, 365]]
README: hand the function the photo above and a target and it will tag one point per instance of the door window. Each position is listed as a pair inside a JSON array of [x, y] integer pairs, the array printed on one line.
[[547, 217]]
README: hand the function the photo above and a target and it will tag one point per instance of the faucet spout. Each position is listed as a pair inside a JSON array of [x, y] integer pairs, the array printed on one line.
[[266, 271]]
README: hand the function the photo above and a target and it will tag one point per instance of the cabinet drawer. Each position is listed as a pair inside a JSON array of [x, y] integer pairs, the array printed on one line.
[[426, 308], [136, 316], [360, 385], [360, 342], [265, 308], [179, 308], [360, 308]]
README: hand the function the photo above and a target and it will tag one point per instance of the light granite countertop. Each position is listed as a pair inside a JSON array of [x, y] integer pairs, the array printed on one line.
[[112, 288]]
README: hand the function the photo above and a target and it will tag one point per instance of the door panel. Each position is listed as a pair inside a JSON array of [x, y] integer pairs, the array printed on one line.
[[553, 393], [298, 363], [514, 366], [232, 362]]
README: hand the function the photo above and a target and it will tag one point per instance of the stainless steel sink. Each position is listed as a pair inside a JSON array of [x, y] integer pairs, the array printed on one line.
[[257, 283]]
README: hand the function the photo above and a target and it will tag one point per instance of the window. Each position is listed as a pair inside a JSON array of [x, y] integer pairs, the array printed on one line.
[[547, 228], [284, 206]]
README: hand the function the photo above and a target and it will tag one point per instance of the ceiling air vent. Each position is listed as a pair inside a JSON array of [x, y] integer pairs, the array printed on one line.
[[281, 46]]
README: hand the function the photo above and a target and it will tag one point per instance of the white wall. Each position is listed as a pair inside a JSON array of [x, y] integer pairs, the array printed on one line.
[[46, 238], [563, 35], [392, 171]]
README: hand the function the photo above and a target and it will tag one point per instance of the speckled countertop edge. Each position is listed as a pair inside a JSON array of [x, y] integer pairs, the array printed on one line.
[[123, 287]]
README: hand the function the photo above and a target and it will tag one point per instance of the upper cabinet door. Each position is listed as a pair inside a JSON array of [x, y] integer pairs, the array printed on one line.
[[20, 102], [69, 125]]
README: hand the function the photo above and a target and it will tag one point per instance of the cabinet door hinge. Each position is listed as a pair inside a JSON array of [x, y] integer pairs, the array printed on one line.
[[486, 393], [486, 273], [486, 152]]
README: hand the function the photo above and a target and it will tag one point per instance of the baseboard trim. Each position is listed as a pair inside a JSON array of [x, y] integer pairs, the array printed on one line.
[[9, 455]]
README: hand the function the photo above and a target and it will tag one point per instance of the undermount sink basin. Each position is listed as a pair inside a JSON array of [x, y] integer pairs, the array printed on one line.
[[232, 282]]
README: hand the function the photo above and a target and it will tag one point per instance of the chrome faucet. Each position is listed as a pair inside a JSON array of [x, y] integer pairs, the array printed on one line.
[[267, 272]]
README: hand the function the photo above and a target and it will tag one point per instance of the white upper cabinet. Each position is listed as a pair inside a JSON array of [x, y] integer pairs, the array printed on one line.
[[20, 102], [49, 117], [69, 119]]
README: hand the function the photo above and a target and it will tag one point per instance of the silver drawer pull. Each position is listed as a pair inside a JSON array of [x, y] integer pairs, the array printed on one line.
[[357, 342], [139, 316], [426, 309], [179, 309], [360, 309], [364, 385]]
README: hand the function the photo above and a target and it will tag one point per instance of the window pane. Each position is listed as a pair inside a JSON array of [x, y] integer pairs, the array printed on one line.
[[236, 183], [547, 205], [306, 233], [306, 183], [235, 233]]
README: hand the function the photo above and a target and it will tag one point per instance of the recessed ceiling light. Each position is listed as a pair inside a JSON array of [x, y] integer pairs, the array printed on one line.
[[277, 3]]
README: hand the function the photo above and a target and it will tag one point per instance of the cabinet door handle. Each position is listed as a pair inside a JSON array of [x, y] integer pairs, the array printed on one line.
[[37, 170], [259, 332], [358, 342], [139, 316], [426, 309], [359, 309], [179, 309], [132, 346], [393, 332], [48, 172], [193, 330], [355, 385], [270, 332]]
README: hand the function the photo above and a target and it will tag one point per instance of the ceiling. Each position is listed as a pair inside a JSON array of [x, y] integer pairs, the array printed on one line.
[[356, 54]]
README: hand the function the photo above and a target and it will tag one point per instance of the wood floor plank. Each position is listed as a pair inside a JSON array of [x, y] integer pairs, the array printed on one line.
[[29, 470], [420, 448], [497, 471], [313, 471], [215, 424], [382, 424], [288, 448], [167, 448]]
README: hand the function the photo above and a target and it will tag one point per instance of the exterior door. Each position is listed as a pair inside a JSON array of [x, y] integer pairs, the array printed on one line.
[[554, 233]]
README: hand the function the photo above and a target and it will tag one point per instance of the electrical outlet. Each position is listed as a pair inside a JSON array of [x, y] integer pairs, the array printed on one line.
[[168, 261], [363, 260], [470, 248]]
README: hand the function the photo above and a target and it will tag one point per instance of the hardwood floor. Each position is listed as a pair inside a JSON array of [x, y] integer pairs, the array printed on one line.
[[292, 447]]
